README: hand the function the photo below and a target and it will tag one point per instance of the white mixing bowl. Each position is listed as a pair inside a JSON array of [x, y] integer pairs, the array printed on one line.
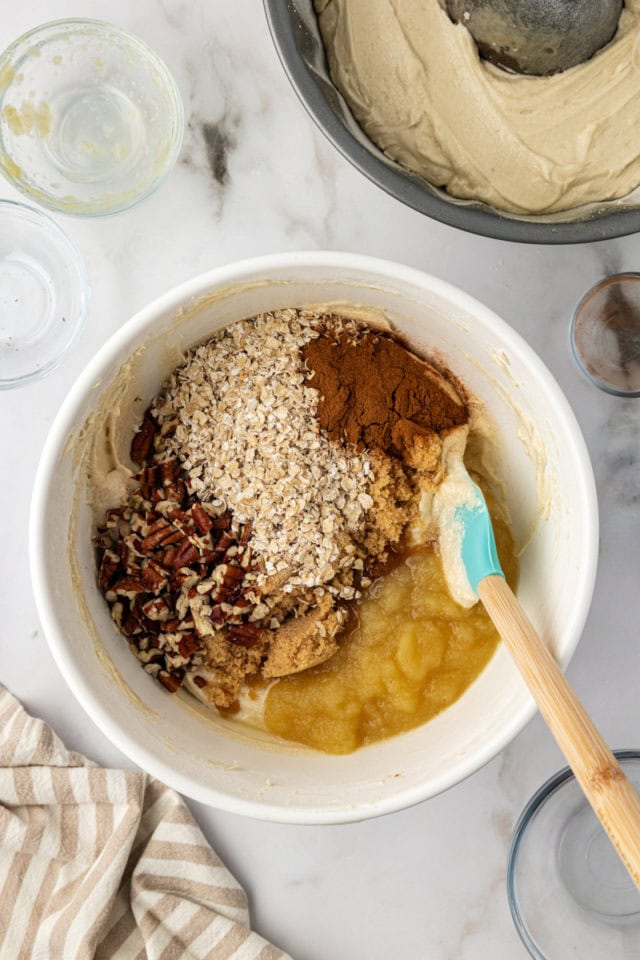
[[550, 492]]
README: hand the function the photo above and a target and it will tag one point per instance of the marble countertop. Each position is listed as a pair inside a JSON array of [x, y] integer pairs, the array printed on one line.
[[255, 176]]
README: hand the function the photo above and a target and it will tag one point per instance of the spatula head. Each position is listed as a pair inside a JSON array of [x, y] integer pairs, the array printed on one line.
[[478, 543]]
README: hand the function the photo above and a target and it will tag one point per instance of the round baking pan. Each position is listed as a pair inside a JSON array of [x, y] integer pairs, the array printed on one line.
[[296, 35]]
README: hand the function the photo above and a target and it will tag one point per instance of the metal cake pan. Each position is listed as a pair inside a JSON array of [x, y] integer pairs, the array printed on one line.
[[296, 36]]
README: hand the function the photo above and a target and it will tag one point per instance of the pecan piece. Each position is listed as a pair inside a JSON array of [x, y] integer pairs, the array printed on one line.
[[222, 522], [161, 534], [188, 644], [156, 609], [224, 542], [202, 520], [166, 558], [217, 615], [176, 492], [154, 578], [130, 626], [172, 512], [172, 681], [244, 634], [231, 573], [108, 569], [169, 471], [128, 587], [143, 440], [186, 554]]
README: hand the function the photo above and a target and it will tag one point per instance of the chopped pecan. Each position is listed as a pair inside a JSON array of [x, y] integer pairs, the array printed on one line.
[[163, 535], [165, 559], [202, 520], [176, 492], [153, 578], [130, 625], [244, 634], [169, 471], [108, 568], [123, 553], [157, 609], [217, 615], [117, 611], [184, 576], [172, 681], [231, 573], [174, 571], [172, 512], [221, 522], [186, 554], [128, 586], [143, 440], [224, 541], [188, 644]]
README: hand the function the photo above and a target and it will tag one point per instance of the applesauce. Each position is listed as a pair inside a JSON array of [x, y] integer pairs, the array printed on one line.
[[410, 653]]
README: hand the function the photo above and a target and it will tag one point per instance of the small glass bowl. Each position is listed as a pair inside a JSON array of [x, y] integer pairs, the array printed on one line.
[[605, 335], [91, 120], [44, 294], [569, 893]]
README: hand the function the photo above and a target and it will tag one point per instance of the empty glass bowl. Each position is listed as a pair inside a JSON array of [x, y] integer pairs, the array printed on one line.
[[91, 120], [44, 294], [605, 335], [569, 893]]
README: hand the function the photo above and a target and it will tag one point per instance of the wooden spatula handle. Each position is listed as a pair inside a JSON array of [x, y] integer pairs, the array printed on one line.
[[605, 785]]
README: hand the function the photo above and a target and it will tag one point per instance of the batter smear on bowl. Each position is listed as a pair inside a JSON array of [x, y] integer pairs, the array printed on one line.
[[284, 476]]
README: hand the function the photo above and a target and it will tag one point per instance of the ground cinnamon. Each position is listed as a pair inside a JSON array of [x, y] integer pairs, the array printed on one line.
[[375, 393]]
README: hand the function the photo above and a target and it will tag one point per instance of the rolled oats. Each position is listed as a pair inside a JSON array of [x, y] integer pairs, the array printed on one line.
[[247, 434]]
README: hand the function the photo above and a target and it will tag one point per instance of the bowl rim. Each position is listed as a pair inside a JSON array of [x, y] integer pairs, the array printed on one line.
[[407, 188], [230, 276], [85, 210]]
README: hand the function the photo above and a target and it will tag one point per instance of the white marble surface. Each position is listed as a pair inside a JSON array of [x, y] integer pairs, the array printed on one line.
[[256, 176]]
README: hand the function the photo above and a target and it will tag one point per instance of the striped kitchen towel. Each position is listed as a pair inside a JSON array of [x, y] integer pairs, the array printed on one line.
[[105, 863]]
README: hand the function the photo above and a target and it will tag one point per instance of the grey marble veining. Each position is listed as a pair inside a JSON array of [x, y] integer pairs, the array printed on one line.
[[255, 176]]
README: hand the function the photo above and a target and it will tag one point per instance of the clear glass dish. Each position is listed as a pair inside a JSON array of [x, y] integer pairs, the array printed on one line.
[[569, 893], [44, 294], [91, 120], [605, 335]]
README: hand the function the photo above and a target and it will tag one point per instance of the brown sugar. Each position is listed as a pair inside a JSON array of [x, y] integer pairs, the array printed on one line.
[[303, 642]]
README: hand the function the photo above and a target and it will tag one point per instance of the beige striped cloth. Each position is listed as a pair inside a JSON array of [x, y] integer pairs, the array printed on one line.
[[104, 864]]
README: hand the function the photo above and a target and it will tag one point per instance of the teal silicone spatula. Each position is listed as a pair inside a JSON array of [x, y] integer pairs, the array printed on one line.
[[473, 571]]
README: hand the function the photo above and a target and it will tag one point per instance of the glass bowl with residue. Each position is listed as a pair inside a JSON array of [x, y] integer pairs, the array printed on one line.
[[91, 120]]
